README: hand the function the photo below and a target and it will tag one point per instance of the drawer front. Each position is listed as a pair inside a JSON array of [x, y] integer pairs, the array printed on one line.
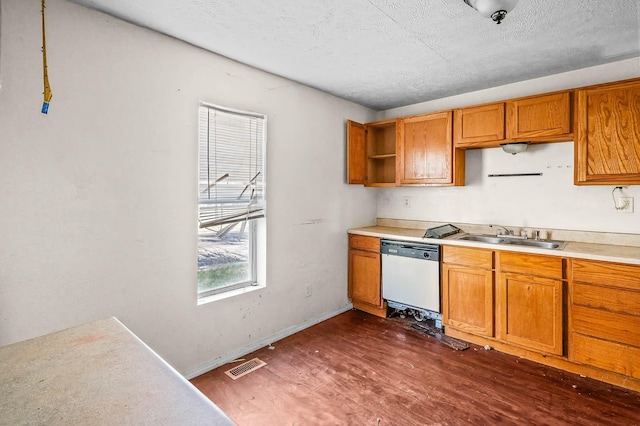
[[468, 256], [606, 273], [614, 300], [610, 356], [532, 264], [607, 325], [363, 242]]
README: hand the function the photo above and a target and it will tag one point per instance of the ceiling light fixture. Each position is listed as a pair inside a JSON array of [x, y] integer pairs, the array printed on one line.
[[494, 9], [515, 147]]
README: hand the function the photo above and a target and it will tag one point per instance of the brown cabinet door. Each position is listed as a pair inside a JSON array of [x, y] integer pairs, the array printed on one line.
[[531, 312], [608, 129], [479, 126], [467, 299], [425, 153], [546, 117], [364, 277], [355, 153], [371, 152]]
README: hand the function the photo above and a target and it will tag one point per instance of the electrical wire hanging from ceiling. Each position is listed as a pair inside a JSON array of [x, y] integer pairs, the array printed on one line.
[[47, 88]]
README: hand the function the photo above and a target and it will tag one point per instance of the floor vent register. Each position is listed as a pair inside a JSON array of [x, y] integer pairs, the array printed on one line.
[[245, 368]]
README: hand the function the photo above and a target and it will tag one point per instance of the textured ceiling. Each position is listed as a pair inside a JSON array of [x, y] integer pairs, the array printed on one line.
[[390, 53]]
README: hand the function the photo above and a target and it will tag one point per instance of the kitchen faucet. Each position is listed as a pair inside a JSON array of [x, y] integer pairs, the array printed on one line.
[[509, 233], [503, 227]]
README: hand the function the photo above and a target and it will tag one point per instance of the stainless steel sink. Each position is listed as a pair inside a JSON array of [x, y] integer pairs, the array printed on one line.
[[537, 243], [493, 239]]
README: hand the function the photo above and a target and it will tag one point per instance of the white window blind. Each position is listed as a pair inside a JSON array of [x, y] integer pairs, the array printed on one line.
[[231, 169]]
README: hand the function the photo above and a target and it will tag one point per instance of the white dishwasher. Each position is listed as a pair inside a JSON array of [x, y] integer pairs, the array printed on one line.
[[411, 278]]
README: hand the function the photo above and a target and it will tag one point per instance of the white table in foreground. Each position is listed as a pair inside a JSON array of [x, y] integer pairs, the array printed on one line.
[[96, 374]]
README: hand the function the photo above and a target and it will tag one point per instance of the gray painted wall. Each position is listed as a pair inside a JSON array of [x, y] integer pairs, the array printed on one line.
[[99, 197]]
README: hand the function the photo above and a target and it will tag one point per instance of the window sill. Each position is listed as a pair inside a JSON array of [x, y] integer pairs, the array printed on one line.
[[228, 294]]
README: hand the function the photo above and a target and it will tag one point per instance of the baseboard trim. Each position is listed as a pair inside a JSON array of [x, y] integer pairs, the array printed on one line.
[[238, 353]]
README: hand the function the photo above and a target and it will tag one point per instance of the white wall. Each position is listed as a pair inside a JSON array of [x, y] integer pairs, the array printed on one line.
[[98, 198], [549, 201]]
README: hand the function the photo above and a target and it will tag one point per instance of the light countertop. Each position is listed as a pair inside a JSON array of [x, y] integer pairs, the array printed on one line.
[[96, 374], [574, 249]]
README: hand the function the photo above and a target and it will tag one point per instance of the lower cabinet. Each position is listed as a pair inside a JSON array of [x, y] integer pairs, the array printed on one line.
[[468, 290], [523, 307], [604, 316], [530, 303], [364, 274], [579, 315]]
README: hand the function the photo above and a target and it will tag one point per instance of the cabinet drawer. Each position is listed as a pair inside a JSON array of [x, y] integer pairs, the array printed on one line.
[[622, 328], [531, 264], [468, 256], [605, 273], [615, 300], [362, 242], [611, 356]]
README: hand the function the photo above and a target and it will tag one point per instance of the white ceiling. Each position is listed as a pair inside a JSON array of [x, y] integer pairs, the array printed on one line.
[[390, 53]]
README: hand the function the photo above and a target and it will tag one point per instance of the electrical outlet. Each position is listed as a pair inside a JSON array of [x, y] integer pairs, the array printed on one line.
[[406, 201], [307, 291], [626, 204]]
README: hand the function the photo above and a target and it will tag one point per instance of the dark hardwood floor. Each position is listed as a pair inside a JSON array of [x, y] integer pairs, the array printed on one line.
[[357, 369]]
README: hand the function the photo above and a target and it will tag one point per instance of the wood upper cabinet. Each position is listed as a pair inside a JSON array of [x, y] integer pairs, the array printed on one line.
[[468, 290], [530, 301], [604, 316], [355, 153], [607, 147], [365, 288], [479, 126], [542, 118], [381, 142], [425, 151], [547, 117], [371, 152]]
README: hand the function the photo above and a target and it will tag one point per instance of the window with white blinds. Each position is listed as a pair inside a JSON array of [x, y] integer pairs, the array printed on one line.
[[231, 169], [231, 197]]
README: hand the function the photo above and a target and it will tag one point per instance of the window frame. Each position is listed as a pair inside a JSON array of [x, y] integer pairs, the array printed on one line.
[[252, 223]]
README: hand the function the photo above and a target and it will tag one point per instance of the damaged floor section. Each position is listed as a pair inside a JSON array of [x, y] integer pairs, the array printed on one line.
[[357, 369]]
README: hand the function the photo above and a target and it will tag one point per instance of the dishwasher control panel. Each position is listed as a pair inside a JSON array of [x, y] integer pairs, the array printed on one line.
[[413, 250]]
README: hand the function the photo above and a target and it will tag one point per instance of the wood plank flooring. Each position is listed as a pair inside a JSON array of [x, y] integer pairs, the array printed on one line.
[[357, 369]]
